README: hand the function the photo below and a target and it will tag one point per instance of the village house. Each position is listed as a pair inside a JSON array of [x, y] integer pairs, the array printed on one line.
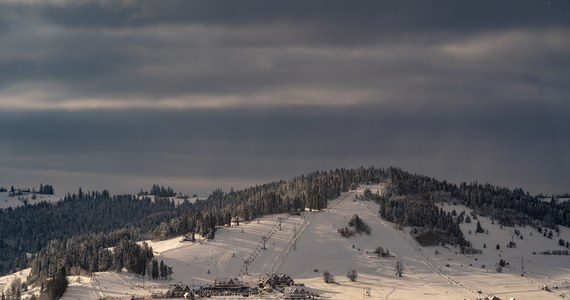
[[179, 291], [297, 292], [227, 283], [224, 287], [276, 280], [236, 220]]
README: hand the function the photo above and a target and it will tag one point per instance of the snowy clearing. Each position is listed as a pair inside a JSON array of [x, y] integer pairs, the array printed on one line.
[[7, 201]]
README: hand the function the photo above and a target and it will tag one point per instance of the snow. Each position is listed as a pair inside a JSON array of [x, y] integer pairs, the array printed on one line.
[[5, 281], [7, 201], [539, 269], [311, 242]]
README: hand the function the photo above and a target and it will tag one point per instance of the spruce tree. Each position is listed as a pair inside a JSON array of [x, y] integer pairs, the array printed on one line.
[[154, 269], [479, 228], [162, 270]]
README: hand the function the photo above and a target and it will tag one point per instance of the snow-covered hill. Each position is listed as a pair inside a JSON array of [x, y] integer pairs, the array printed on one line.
[[14, 201], [305, 246]]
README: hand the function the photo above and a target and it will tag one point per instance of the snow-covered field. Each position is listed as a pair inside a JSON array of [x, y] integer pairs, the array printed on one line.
[[15, 201], [539, 269], [305, 246]]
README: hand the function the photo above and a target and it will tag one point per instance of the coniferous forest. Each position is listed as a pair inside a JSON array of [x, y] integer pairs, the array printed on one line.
[[76, 233]]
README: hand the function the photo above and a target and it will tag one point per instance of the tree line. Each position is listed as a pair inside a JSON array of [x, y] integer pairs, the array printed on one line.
[[312, 190], [161, 191], [46, 189], [508, 206], [29, 228], [85, 254]]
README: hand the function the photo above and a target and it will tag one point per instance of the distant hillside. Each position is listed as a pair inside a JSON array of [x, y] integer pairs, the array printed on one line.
[[507, 206], [407, 199]]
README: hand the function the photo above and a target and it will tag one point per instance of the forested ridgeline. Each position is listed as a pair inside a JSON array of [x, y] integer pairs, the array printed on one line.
[[410, 201], [27, 229], [509, 207]]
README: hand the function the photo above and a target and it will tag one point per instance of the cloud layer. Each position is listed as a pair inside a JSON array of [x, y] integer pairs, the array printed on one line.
[[209, 93]]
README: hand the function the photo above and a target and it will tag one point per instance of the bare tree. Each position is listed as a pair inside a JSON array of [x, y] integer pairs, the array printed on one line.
[[399, 268]]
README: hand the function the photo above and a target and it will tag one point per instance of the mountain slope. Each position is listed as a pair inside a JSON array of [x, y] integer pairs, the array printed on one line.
[[311, 241]]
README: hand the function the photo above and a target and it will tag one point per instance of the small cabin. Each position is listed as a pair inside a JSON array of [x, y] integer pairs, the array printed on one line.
[[175, 291], [236, 220], [227, 283], [297, 293], [277, 280]]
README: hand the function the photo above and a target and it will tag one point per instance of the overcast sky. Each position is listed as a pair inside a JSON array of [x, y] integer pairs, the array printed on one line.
[[199, 95]]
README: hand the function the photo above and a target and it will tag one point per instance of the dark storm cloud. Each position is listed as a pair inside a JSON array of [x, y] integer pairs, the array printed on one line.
[[254, 144], [148, 51], [372, 15], [123, 93]]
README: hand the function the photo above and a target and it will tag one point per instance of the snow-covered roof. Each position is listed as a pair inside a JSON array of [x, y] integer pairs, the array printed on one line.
[[296, 292], [226, 281]]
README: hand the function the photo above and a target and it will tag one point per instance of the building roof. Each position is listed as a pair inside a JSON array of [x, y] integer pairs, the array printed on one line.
[[296, 292], [227, 281]]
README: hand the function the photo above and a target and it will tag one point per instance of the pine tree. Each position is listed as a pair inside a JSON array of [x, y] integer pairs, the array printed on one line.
[[154, 269], [162, 273], [60, 283], [479, 228]]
